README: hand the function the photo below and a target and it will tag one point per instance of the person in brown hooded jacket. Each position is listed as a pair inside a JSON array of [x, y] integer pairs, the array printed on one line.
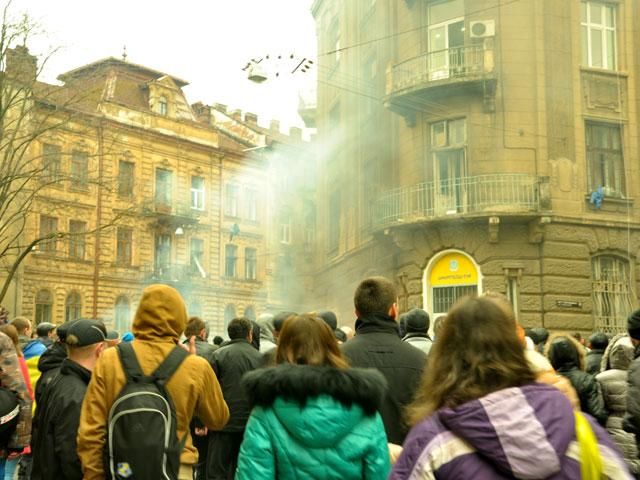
[[160, 320]]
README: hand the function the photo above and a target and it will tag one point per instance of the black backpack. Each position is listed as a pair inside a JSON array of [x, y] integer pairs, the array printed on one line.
[[141, 438], [9, 415]]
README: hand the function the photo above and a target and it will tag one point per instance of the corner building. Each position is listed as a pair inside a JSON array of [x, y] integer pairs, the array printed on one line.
[[482, 145]]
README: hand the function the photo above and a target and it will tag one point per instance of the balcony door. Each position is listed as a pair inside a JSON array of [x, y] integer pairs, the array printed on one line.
[[446, 39], [448, 147], [162, 253]]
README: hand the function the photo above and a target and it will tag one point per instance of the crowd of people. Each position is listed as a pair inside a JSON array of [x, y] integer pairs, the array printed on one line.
[[296, 396]]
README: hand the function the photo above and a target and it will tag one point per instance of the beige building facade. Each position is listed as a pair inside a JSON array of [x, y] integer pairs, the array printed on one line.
[[146, 189], [482, 145]]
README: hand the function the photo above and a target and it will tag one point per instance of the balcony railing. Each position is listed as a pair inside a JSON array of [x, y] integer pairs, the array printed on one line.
[[491, 194], [172, 272], [451, 64]]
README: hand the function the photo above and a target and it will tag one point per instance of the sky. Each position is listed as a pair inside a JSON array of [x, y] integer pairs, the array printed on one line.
[[204, 42]]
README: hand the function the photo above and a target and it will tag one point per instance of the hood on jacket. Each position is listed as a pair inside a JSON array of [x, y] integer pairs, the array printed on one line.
[[34, 348], [618, 354], [161, 314], [317, 405], [506, 426], [265, 322], [565, 352], [52, 357]]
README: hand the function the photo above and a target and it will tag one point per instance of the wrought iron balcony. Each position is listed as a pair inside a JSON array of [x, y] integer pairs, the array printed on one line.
[[479, 195], [171, 214], [437, 73], [172, 273]]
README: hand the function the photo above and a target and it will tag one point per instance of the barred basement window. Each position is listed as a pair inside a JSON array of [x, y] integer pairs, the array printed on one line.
[[612, 297], [445, 297]]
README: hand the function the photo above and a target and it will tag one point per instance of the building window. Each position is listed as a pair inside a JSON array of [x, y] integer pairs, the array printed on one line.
[[512, 293], [72, 307], [51, 162], [251, 202], [195, 310], [79, 167], [77, 238], [162, 105], [598, 30], [123, 247], [334, 39], [250, 263], [231, 200], [125, 178], [44, 302], [230, 259], [48, 226], [229, 314], [448, 146], [334, 221], [163, 253], [605, 162], [197, 257], [612, 294], [164, 188], [123, 314], [446, 39], [197, 193], [285, 230], [249, 313]]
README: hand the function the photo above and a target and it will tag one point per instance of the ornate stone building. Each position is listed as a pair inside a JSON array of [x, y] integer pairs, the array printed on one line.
[[146, 189], [482, 145]]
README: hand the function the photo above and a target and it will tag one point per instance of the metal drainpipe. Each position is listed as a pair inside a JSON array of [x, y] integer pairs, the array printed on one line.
[[96, 265]]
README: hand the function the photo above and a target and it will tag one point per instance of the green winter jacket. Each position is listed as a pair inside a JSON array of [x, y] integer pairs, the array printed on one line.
[[314, 423]]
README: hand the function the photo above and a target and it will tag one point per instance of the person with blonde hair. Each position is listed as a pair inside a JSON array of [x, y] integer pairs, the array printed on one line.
[[480, 414], [313, 416]]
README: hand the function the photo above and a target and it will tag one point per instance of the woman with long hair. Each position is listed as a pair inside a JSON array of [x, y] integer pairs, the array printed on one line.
[[313, 416], [480, 414]]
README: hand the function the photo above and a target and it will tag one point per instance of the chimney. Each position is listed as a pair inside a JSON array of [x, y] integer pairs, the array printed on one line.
[[21, 65], [251, 118], [295, 133], [275, 126], [237, 115], [221, 107]]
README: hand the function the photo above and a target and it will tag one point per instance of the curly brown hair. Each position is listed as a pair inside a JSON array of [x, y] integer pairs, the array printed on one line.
[[477, 352]]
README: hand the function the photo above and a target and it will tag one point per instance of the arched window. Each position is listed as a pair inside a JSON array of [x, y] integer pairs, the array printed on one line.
[[229, 314], [73, 307], [122, 314], [195, 309], [250, 313], [44, 304], [449, 275], [612, 294]]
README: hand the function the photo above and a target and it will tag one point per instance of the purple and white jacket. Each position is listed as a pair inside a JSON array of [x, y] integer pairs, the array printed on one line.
[[526, 433]]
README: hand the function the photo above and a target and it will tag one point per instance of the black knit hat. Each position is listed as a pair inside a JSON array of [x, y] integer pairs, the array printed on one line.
[[633, 325]]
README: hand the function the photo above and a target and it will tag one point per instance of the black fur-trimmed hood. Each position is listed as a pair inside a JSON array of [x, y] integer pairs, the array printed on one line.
[[364, 387]]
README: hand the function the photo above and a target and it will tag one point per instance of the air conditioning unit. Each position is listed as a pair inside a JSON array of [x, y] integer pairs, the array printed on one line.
[[482, 29]]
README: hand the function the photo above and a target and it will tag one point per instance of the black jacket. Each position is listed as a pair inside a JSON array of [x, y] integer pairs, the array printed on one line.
[[49, 366], [54, 446], [594, 357], [631, 421], [377, 345], [204, 349], [588, 390], [230, 363]]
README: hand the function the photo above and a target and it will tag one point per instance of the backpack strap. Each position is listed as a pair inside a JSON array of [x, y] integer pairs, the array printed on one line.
[[167, 368], [129, 361]]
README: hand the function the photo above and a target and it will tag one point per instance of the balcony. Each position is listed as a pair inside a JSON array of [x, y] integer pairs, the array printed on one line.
[[482, 195], [171, 215], [412, 83], [172, 273]]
